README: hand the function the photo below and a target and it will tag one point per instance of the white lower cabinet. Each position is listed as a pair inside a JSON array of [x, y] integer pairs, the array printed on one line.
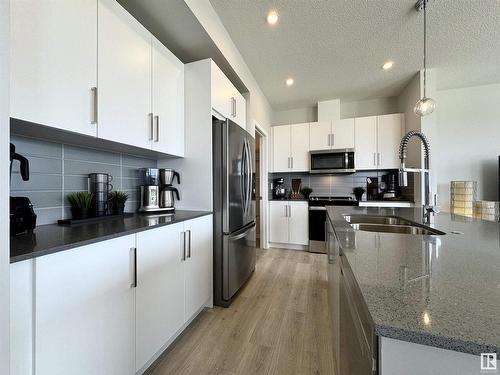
[[84, 312], [160, 290], [174, 281], [289, 222]]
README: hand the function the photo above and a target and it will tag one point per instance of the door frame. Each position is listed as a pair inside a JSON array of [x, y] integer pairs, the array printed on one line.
[[264, 170]]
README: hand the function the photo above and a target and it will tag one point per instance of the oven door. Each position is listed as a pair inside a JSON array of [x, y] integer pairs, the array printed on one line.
[[332, 161], [317, 229]]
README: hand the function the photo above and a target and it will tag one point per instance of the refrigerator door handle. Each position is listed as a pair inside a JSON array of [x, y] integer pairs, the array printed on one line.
[[249, 176], [239, 236], [243, 177]]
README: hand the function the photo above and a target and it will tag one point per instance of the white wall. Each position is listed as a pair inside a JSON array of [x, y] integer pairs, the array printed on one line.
[[406, 102], [370, 107], [4, 186], [258, 107], [295, 116], [468, 135]]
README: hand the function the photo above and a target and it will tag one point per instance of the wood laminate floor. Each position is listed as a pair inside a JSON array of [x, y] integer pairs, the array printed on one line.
[[278, 324]]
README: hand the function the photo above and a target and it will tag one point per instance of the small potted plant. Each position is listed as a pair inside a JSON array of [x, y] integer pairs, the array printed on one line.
[[306, 191], [81, 204], [117, 201], [358, 192]]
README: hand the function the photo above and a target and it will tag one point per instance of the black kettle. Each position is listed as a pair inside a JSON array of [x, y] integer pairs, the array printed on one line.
[[24, 167]]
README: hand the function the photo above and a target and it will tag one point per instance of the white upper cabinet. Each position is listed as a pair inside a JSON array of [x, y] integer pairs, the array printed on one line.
[[226, 99], [377, 141], [281, 148], [291, 148], [167, 101], [84, 313], [160, 290], [124, 63], [390, 131], [299, 147], [320, 135], [335, 134], [53, 63], [343, 133], [366, 142]]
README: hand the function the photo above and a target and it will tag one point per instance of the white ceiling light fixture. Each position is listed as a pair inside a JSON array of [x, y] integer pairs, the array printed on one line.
[[424, 106], [289, 81], [272, 17], [388, 65]]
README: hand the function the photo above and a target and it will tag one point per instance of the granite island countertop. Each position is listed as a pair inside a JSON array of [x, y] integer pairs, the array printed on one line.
[[49, 239], [442, 291]]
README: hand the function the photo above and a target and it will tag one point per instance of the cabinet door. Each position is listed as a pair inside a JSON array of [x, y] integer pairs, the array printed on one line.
[[124, 63], [84, 315], [168, 100], [53, 63], [21, 317], [199, 264], [278, 221], [298, 223], [222, 91], [160, 290], [343, 133], [365, 129], [320, 135], [281, 148], [299, 147], [390, 128]]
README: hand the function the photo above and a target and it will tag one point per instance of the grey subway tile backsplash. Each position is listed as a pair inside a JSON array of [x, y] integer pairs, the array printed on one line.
[[57, 169]]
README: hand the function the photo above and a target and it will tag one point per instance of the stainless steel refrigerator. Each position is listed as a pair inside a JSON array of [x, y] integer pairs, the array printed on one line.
[[234, 209]]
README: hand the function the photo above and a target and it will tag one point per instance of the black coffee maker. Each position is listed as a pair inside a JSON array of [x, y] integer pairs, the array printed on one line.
[[22, 216]]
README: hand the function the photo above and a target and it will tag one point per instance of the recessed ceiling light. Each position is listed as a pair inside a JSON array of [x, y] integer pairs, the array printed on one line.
[[289, 81], [388, 65], [272, 17]]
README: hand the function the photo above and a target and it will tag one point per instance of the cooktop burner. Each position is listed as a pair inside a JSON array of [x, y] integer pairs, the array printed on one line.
[[332, 201]]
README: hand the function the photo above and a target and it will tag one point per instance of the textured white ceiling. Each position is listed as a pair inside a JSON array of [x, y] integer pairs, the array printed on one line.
[[334, 48]]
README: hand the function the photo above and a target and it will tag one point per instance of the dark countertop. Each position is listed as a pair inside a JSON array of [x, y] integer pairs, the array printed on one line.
[[48, 239], [441, 291], [289, 200]]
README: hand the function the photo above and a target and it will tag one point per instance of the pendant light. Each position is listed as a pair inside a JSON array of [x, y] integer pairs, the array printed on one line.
[[425, 105]]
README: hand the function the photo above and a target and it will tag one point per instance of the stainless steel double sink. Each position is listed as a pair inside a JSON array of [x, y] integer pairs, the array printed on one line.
[[390, 224]]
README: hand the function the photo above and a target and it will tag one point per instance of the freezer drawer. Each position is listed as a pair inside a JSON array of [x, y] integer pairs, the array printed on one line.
[[238, 259]]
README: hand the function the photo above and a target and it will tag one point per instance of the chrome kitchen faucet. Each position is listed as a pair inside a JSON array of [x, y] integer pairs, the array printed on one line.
[[428, 208]]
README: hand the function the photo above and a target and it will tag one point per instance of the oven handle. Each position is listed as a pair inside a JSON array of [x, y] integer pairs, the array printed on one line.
[[317, 208]]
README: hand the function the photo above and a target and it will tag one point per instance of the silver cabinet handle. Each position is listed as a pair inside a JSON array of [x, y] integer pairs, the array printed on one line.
[[285, 214], [374, 157], [292, 162], [93, 119], [289, 211], [378, 158], [183, 248], [329, 142], [288, 162], [134, 259], [151, 126], [235, 108], [333, 139], [189, 244], [157, 121]]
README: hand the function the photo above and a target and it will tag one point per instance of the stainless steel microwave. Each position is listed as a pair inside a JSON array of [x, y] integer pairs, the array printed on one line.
[[332, 161]]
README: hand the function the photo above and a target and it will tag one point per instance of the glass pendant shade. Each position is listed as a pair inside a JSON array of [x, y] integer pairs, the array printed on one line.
[[424, 106]]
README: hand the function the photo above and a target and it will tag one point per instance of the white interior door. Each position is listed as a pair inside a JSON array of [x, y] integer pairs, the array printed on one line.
[[84, 317], [365, 142], [343, 133], [281, 148], [54, 63], [168, 100], [199, 264], [320, 135], [390, 132], [278, 221], [124, 63], [298, 223], [299, 147], [160, 290]]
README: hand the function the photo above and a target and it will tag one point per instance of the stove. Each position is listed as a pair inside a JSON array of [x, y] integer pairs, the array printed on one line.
[[317, 219]]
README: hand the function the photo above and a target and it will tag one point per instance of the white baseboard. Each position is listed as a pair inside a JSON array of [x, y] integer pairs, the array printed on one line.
[[288, 246]]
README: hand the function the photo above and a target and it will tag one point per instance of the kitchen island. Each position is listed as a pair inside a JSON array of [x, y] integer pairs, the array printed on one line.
[[431, 300]]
